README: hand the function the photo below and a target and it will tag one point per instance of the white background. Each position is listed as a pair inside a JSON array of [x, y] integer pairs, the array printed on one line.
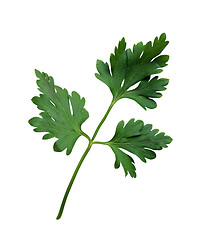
[[171, 198]]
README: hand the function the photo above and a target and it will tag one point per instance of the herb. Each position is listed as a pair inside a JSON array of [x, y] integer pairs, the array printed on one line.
[[63, 114]]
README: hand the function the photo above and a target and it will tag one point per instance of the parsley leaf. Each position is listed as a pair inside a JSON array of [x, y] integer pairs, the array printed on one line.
[[126, 161], [146, 90], [56, 117], [128, 67], [139, 139]]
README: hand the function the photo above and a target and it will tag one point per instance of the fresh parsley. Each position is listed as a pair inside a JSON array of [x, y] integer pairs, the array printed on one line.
[[62, 114]]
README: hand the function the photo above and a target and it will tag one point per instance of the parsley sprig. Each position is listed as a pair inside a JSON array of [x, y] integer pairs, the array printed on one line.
[[62, 115]]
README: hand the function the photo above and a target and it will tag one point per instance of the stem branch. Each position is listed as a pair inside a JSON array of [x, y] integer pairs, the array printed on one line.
[[102, 121]]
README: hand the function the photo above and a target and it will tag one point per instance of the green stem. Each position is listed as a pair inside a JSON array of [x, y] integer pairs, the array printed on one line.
[[82, 159], [72, 180], [103, 143], [103, 119], [85, 135]]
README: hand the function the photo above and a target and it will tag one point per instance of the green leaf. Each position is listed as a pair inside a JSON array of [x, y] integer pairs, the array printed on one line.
[[128, 67], [136, 138], [126, 161], [146, 90], [56, 119]]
